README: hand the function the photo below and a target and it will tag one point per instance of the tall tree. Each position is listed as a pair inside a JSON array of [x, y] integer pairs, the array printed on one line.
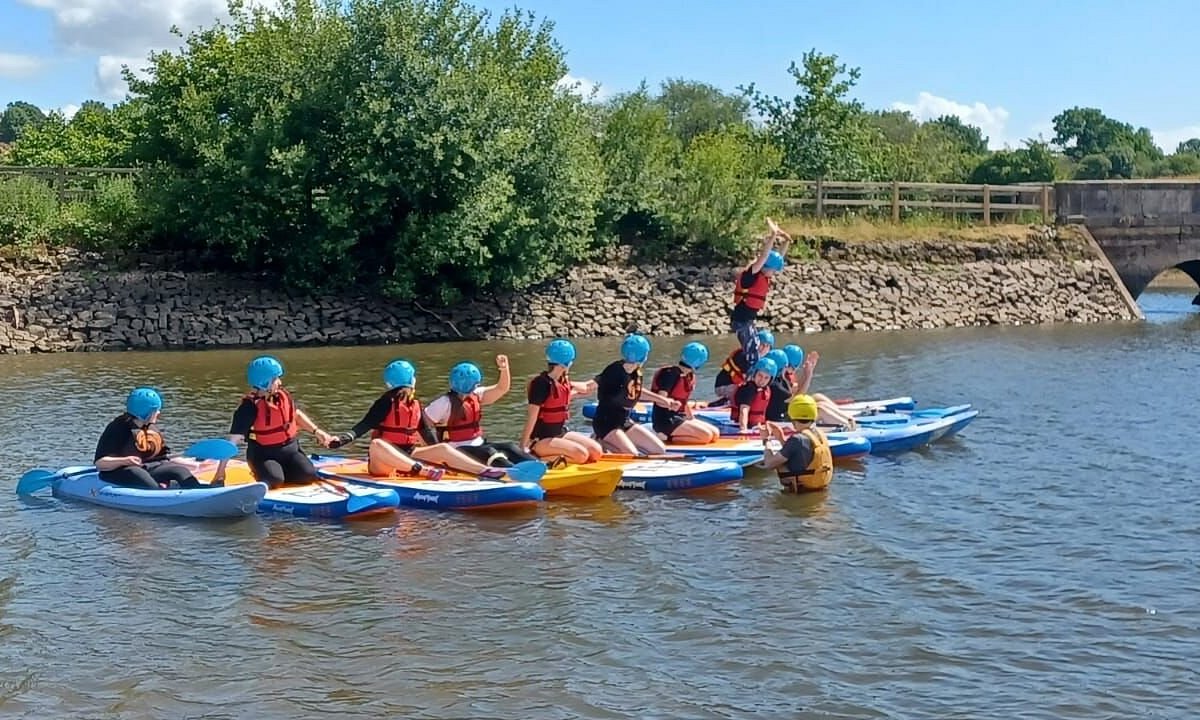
[[17, 117], [695, 108], [822, 131]]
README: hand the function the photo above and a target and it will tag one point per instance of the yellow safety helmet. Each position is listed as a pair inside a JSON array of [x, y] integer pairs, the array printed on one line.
[[802, 408]]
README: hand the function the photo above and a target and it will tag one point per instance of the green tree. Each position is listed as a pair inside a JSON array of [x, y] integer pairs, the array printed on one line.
[[695, 108], [640, 155], [1094, 167], [969, 137], [1190, 146], [96, 136], [1081, 132], [1032, 163], [821, 131], [418, 147], [17, 118]]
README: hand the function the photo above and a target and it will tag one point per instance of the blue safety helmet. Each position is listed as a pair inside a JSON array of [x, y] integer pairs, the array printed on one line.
[[560, 352], [262, 371], [143, 402], [766, 365], [694, 355], [774, 261], [400, 374], [635, 349], [795, 356], [465, 377], [766, 337], [778, 357]]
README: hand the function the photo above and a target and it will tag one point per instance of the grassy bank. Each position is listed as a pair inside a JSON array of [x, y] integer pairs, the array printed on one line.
[[867, 230]]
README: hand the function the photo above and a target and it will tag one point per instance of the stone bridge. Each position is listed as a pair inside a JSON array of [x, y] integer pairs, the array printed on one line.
[[1142, 226]]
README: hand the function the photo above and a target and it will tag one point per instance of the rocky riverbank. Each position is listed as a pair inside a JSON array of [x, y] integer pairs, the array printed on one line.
[[71, 301]]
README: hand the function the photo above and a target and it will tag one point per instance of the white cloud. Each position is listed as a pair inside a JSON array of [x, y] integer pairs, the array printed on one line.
[[1168, 140], [109, 81], [125, 31], [68, 111], [992, 120], [583, 87], [19, 66]]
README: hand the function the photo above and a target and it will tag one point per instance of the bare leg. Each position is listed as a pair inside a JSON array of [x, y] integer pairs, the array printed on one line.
[[695, 432], [830, 414], [619, 442], [450, 456], [575, 453], [593, 448], [646, 440], [384, 458]]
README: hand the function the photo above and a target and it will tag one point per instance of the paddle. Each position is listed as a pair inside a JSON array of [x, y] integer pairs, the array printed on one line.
[[210, 449], [527, 471]]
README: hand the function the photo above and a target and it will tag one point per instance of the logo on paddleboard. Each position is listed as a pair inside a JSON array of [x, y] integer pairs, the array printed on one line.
[[425, 497]]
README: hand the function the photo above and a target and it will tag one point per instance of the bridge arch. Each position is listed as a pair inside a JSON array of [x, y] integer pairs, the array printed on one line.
[[1143, 227]]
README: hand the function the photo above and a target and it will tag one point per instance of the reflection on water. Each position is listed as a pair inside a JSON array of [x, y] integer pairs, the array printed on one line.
[[1043, 564]]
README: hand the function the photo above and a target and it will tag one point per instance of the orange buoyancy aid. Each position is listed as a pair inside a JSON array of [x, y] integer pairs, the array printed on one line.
[[819, 472], [755, 296], [758, 407], [403, 423], [274, 418], [683, 388], [464, 422], [557, 407], [737, 373]]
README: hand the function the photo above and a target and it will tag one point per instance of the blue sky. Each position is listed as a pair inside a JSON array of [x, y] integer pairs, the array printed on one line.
[[1008, 67]]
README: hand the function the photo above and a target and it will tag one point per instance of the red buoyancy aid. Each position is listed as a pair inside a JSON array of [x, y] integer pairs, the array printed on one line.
[[682, 390], [737, 373], [465, 416], [403, 423], [789, 376], [755, 296], [758, 407], [557, 407], [274, 418]]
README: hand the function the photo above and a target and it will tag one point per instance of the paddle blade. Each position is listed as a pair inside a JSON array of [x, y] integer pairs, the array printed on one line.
[[527, 471], [35, 480], [212, 449]]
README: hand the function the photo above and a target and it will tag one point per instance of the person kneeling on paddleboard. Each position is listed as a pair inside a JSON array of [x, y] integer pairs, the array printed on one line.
[[749, 407], [549, 396], [458, 415], [131, 451], [399, 426], [678, 382], [618, 390], [801, 370], [269, 422], [804, 461], [750, 290], [781, 388], [736, 368]]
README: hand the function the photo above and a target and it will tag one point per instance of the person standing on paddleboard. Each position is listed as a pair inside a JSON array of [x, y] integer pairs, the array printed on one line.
[[402, 435], [804, 461], [132, 452], [270, 423], [458, 415], [750, 290], [549, 397], [678, 382], [618, 390]]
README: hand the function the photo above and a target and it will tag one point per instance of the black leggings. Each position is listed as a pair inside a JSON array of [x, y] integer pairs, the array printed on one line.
[[149, 475], [279, 465], [497, 454]]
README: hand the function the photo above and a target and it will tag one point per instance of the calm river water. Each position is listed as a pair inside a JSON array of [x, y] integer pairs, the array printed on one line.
[[1041, 565]]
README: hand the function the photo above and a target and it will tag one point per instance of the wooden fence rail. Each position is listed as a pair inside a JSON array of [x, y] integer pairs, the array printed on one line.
[[70, 183], [823, 198], [819, 197]]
